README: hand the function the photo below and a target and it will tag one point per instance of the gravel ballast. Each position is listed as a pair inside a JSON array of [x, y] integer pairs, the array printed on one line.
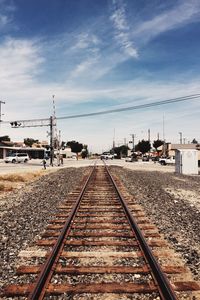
[[172, 203], [26, 212]]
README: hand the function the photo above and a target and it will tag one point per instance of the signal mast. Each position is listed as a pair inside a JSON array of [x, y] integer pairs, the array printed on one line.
[[49, 122]]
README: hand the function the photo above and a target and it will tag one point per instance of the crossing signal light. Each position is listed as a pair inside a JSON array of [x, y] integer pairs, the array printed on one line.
[[15, 124]]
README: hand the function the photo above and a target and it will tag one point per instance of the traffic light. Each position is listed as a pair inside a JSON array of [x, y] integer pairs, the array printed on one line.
[[15, 124]]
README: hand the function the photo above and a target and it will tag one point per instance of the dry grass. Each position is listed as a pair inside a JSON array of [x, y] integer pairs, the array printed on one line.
[[25, 177], [10, 182], [6, 187]]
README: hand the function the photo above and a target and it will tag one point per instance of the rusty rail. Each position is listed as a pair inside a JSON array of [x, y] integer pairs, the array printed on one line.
[[165, 289], [47, 271]]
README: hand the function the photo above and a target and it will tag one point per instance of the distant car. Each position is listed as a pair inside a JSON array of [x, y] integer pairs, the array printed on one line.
[[131, 158], [17, 158], [128, 159], [106, 155], [145, 158], [155, 158], [167, 160]]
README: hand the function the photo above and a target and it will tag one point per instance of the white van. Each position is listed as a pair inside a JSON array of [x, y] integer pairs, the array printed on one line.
[[17, 158]]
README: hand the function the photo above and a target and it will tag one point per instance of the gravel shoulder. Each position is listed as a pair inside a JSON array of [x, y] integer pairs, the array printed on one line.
[[172, 203], [26, 212]]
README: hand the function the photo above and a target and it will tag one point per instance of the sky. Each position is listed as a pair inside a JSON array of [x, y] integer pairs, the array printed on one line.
[[96, 55]]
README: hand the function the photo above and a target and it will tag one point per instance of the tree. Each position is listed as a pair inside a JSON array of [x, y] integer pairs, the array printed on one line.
[[194, 141], [29, 142], [157, 143], [143, 146], [84, 152], [121, 151], [75, 147], [4, 138]]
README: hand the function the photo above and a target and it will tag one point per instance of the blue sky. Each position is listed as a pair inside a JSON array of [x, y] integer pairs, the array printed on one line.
[[96, 55]]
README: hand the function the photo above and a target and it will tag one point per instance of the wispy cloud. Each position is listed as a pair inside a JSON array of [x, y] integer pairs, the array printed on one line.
[[86, 45], [6, 13], [3, 20], [183, 13], [84, 67], [97, 49], [85, 40], [19, 60], [122, 30]]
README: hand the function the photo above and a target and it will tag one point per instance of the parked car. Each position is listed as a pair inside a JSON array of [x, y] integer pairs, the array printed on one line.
[[106, 155], [155, 158], [131, 158], [167, 160], [145, 158], [128, 158], [17, 158]]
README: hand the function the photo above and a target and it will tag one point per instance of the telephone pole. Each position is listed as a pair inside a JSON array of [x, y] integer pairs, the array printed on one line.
[[181, 140], [149, 135], [114, 139], [133, 141], [164, 143], [51, 141]]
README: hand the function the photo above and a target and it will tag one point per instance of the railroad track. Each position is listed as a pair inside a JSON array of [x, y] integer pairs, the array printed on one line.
[[98, 246]]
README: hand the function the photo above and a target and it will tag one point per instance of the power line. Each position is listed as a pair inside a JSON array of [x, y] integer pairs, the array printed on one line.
[[140, 106], [135, 107]]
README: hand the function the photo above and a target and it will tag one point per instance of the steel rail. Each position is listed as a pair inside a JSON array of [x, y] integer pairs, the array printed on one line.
[[164, 287], [44, 277]]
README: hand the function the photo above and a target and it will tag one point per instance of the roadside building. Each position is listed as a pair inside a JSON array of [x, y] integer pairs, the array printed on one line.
[[4, 145], [7, 148], [38, 150], [170, 149], [66, 153]]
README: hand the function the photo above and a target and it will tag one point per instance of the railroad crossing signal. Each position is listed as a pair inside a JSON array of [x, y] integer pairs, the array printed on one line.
[[30, 123], [51, 122], [15, 124]]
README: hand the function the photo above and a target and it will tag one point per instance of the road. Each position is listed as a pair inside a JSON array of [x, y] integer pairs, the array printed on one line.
[[36, 165]]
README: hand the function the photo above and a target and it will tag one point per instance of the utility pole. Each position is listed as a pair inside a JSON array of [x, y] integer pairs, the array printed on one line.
[[1, 102], [55, 133], [59, 143], [149, 135], [181, 140], [133, 141], [51, 141], [164, 144], [114, 139]]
